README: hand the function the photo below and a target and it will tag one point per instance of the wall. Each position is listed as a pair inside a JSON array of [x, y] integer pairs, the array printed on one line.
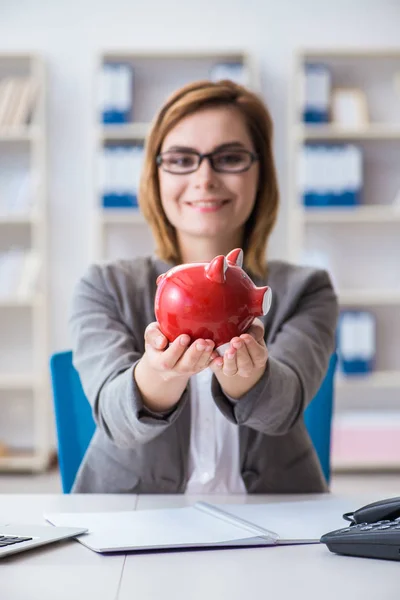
[[70, 34]]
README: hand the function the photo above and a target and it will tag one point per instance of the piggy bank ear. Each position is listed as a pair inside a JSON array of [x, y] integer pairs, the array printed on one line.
[[235, 257], [160, 278], [216, 269]]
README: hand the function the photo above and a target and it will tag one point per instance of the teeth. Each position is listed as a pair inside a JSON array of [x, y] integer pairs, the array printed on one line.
[[207, 204]]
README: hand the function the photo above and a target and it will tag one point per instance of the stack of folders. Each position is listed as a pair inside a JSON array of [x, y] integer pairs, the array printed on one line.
[[356, 342], [233, 71], [116, 93], [120, 168], [316, 100], [204, 525], [330, 175]]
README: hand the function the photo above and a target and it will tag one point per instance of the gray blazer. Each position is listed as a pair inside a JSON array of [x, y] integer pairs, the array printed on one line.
[[134, 450]]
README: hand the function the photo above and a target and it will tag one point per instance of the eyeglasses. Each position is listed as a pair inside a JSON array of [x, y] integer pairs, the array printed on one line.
[[222, 161]]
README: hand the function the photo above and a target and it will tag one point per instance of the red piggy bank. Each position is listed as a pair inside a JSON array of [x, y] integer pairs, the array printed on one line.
[[215, 300]]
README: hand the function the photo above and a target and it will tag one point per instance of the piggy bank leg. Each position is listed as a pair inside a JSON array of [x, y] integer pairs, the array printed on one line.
[[221, 349]]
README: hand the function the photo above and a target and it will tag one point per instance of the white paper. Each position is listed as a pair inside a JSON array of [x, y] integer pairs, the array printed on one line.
[[149, 528]]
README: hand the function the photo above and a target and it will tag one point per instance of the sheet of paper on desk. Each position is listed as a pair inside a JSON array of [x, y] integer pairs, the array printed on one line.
[[190, 527], [296, 521], [147, 529]]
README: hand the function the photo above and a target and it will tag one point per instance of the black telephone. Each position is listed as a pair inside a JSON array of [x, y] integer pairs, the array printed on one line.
[[374, 532]]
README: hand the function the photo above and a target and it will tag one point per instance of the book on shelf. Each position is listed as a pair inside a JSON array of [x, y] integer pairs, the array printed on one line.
[[18, 96], [19, 274], [234, 71], [330, 175], [119, 175], [116, 93], [316, 93], [356, 342]]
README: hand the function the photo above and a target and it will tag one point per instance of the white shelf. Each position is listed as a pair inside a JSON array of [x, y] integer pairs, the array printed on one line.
[[15, 302], [377, 379], [28, 232], [17, 381], [129, 131], [233, 54], [121, 216], [350, 466], [24, 462], [374, 131], [17, 219], [358, 214], [369, 297], [18, 134], [352, 245]]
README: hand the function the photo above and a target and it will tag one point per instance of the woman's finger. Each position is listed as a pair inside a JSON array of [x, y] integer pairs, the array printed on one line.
[[197, 356], [258, 352], [173, 354], [244, 361], [230, 368], [154, 336]]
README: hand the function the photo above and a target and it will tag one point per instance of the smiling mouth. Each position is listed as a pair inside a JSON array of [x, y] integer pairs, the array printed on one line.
[[208, 203]]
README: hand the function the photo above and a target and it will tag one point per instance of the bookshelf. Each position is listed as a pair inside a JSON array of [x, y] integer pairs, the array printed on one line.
[[25, 408], [121, 232], [360, 243]]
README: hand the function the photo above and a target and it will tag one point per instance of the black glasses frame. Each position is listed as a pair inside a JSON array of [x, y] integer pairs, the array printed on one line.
[[210, 157]]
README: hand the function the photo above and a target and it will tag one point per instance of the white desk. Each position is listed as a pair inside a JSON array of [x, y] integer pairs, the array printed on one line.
[[72, 572]]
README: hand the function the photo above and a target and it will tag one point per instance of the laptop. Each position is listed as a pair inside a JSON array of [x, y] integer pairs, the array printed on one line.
[[17, 538]]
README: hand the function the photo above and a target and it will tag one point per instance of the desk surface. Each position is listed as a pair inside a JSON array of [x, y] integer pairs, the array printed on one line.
[[70, 571]]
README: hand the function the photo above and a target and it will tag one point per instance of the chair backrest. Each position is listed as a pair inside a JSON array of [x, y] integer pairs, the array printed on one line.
[[75, 425], [74, 422], [318, 418]]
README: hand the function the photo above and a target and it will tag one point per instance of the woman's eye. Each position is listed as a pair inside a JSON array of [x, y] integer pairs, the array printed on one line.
[[229, 158], [181, 160]]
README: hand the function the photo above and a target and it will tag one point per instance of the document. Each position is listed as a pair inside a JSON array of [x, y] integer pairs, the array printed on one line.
[[205, 525]]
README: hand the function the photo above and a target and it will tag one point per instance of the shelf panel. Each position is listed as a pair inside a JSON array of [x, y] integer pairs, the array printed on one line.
[[17, 381], [367, 297], [14, 302], [130, 131], [359, 214], [24, 461], [351, 53], [17, 219], [121, 216], [374, 131], [179, 54], [18, 134], [377, 379]]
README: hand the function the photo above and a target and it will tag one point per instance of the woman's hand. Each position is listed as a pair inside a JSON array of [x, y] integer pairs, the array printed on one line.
[[243, 363], [180, 358]]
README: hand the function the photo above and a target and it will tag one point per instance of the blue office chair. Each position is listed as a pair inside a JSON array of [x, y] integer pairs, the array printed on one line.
[[318, 418], [75, 425], [74, 421]]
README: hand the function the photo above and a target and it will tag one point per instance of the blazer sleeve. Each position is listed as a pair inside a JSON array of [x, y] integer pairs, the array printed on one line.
[[298, 360], [105, 354]]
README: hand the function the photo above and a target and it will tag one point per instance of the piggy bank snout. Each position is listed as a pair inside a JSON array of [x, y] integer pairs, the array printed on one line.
[[267, 301]]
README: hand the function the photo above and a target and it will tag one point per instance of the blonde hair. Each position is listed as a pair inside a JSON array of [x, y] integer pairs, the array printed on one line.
[[186, 101]]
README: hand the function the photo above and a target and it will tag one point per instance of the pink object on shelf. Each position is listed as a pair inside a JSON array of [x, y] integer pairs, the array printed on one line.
[[366, 443], [215, 300]]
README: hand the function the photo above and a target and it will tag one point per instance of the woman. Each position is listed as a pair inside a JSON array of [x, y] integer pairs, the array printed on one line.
[[177, 417]]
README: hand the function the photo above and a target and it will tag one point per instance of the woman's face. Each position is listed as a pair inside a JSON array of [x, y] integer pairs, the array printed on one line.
[[206, 203]]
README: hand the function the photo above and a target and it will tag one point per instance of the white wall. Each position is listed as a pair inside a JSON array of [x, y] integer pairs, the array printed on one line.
[[70, 33]]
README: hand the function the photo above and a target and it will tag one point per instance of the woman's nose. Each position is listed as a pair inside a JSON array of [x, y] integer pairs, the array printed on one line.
[[205, 174]]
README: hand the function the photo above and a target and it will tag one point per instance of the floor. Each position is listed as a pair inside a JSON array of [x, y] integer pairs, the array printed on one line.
[[343, 483]]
